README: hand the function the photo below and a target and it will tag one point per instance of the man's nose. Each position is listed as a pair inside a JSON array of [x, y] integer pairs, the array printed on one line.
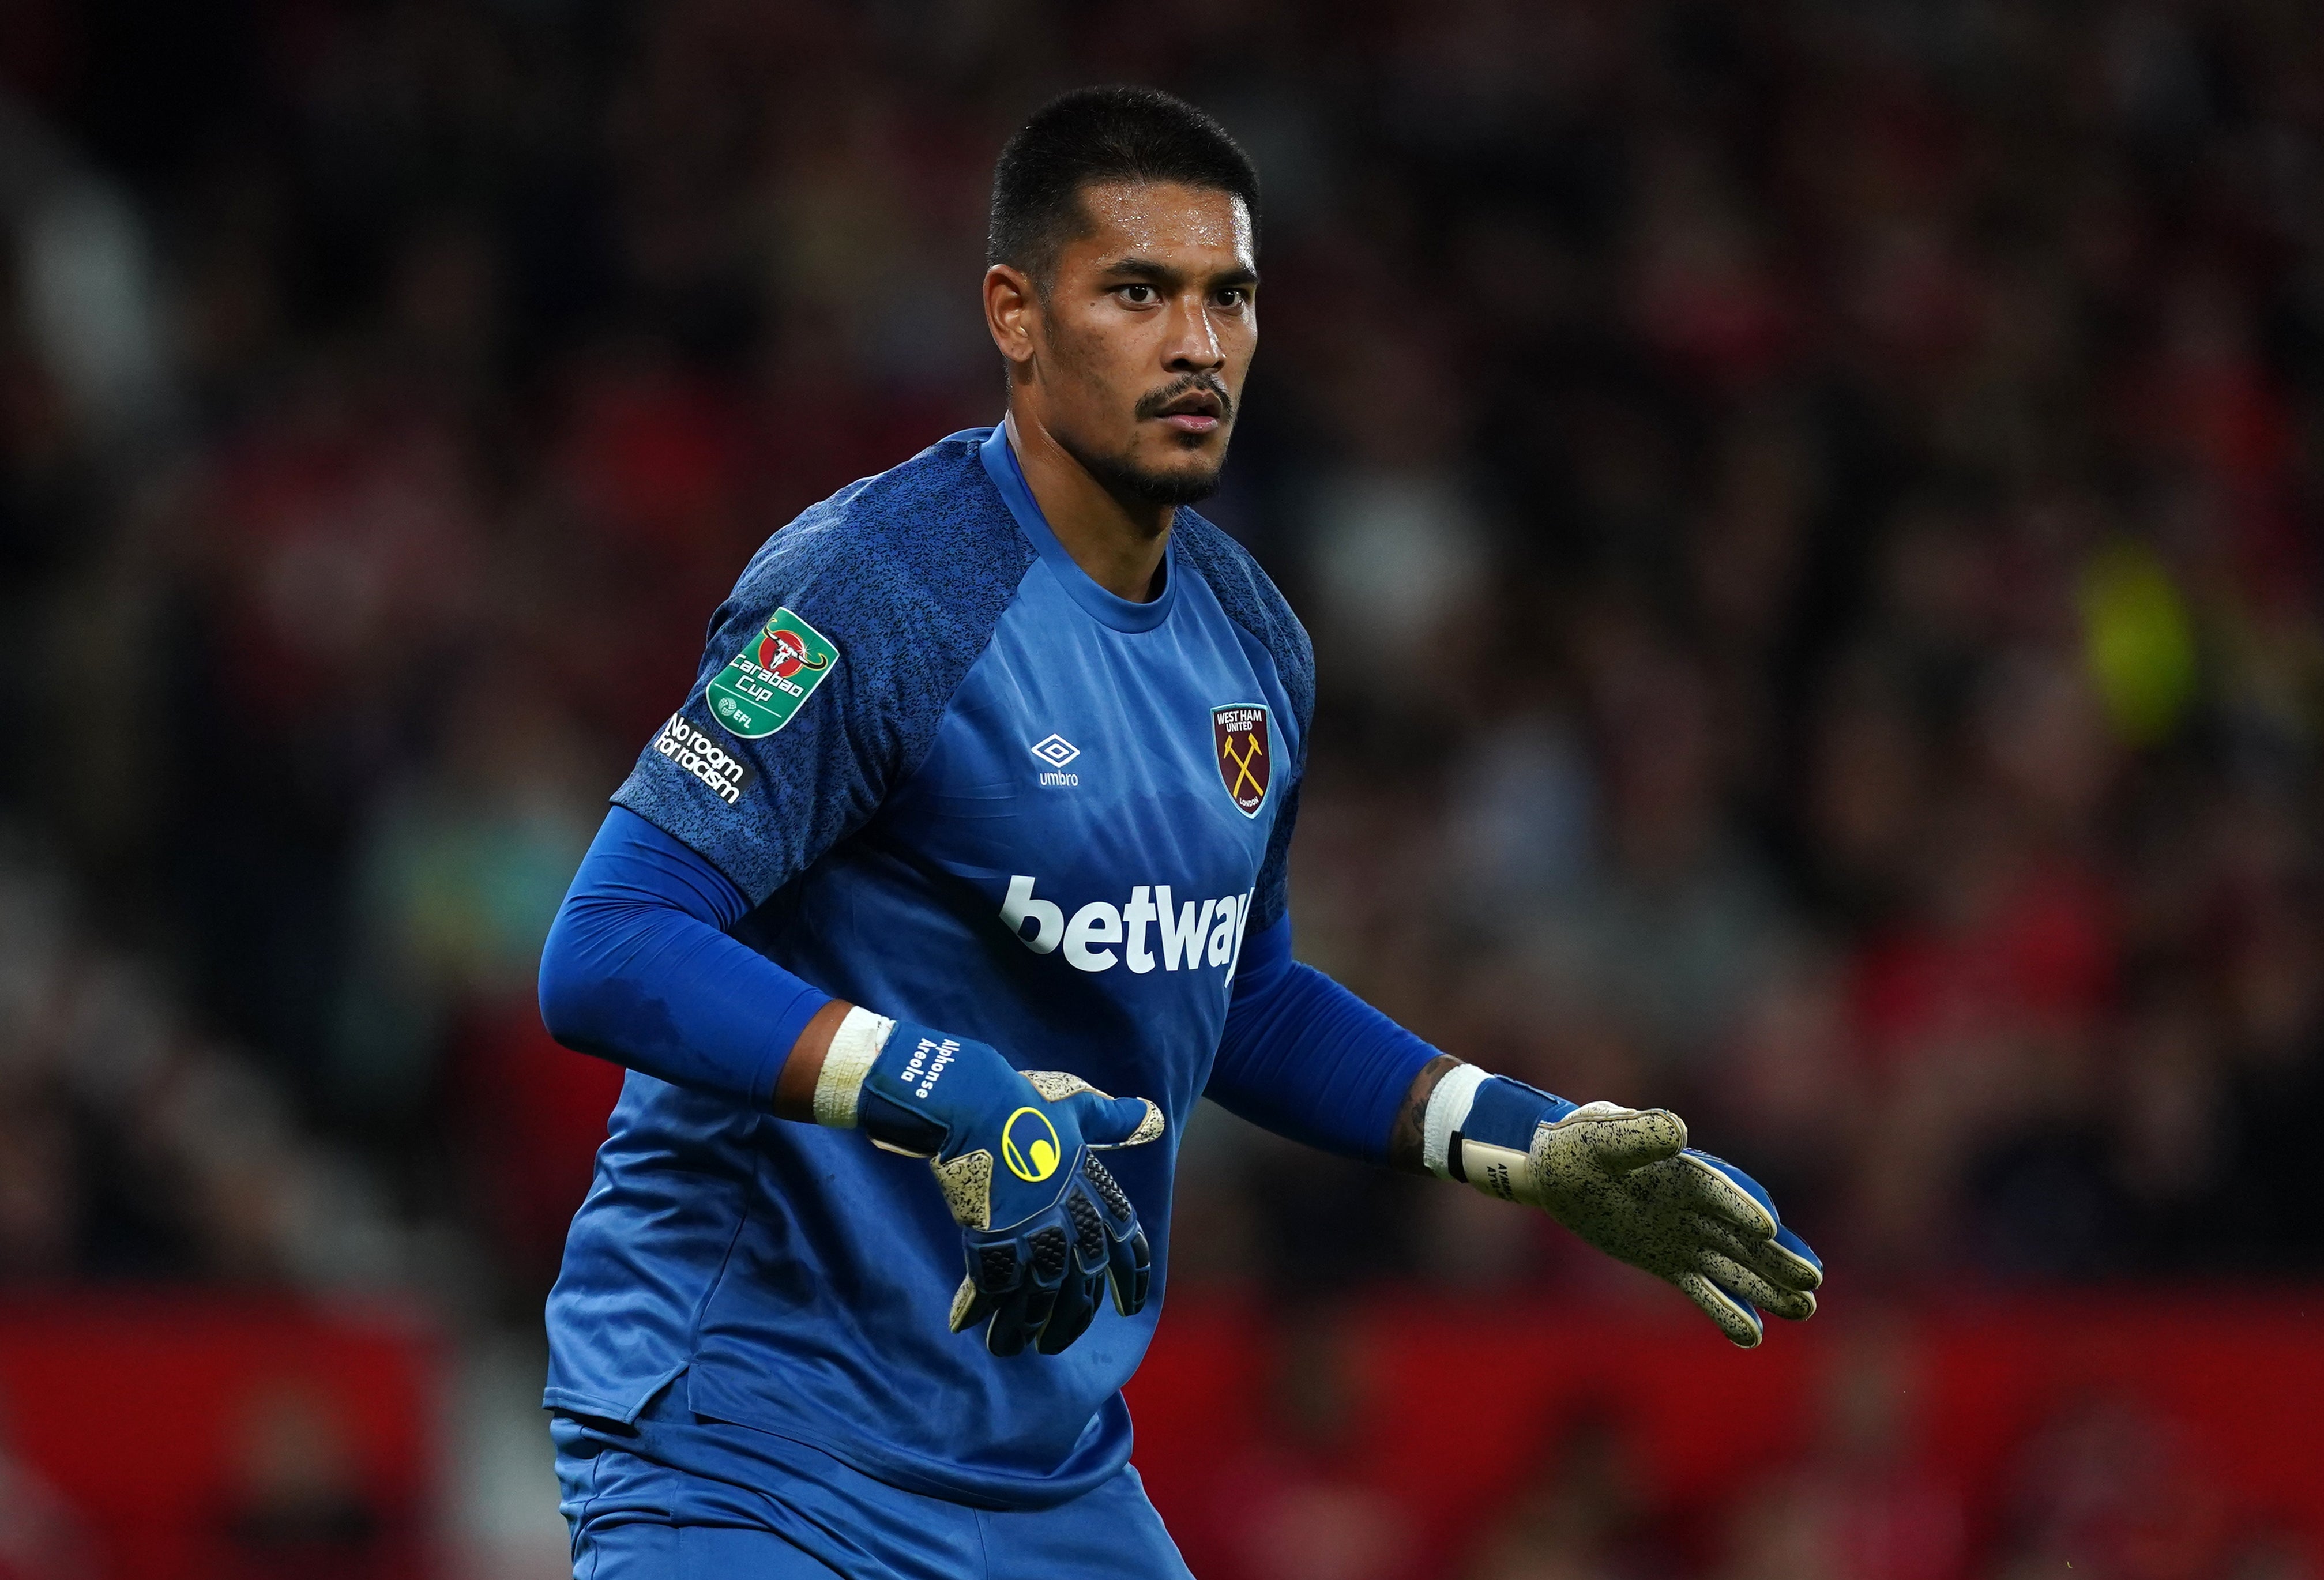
[[1193, 343]]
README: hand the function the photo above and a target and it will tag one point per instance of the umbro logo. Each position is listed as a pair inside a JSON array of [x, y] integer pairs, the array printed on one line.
[[1057, 752]]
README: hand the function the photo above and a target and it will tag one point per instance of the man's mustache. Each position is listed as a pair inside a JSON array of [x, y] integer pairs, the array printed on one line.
[[1157, 403]]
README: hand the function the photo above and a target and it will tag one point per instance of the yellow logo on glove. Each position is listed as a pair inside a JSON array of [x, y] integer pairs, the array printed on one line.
[[1038, 1160]]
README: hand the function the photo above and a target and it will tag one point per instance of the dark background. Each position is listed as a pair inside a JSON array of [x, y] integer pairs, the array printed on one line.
[[1808, 515]]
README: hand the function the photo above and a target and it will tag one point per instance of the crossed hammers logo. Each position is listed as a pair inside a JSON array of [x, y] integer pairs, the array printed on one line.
[[1252, 751]]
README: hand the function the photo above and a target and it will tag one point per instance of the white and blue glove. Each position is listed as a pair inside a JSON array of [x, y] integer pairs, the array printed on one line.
[[1626, 1181], [1042, 1224]]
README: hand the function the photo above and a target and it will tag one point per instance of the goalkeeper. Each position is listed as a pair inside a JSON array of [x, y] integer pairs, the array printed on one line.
[[957, 877]]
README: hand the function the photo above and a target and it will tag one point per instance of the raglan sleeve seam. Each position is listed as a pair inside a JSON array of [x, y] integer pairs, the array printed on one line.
[[1270, 622], [904, 638], [822, 772]]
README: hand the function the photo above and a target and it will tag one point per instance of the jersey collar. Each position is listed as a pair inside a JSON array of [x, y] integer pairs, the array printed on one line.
[[1108, 608]]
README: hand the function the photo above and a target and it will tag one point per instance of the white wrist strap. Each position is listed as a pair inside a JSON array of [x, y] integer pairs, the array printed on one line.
[[1448, 1111], [839, 1088]]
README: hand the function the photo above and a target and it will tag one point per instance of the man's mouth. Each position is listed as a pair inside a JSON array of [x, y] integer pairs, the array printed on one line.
[[1197, 411]]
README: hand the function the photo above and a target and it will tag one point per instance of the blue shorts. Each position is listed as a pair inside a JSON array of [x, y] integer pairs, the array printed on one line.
[[684, 1497]]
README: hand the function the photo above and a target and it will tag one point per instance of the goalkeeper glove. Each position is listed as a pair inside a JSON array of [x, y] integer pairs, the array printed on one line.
[[1043, 1224], [1627, 1182]]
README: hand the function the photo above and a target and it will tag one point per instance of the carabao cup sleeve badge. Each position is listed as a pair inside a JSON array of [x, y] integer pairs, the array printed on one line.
[[757, 694], [1246, 754]]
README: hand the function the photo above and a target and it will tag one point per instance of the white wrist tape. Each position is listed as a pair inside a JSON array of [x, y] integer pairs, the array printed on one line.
[[1448, 1111], [839, 1088]]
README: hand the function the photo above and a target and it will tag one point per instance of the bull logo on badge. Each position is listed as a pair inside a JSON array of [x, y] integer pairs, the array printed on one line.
[[1246, 753], [785, 653], [756, 694]]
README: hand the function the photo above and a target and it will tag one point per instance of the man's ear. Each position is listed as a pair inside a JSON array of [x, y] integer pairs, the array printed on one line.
[[1011, 306]]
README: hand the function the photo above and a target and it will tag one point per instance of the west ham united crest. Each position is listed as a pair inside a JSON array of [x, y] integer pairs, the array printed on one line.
[[1246, 753]]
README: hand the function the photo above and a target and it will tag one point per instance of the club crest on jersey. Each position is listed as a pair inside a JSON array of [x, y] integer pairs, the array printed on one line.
[[757, 694], [1245, 749]]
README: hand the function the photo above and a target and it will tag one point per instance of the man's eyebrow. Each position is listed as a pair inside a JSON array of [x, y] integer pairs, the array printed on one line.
[[1155, 271], [1134, 267]]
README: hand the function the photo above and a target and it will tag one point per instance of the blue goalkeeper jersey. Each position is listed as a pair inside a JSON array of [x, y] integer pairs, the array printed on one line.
[[963, 785]]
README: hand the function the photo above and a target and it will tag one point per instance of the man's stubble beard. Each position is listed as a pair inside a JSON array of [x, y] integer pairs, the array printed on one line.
[[1119, 475]]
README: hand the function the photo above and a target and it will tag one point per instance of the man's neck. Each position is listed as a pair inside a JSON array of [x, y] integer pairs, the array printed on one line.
[[1118, 542]]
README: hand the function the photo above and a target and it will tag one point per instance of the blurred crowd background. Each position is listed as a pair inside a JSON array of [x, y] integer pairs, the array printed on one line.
[[1808, 514]]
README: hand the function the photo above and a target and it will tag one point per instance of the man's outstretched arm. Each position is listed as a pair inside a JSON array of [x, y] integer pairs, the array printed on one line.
[[1306, 1058]]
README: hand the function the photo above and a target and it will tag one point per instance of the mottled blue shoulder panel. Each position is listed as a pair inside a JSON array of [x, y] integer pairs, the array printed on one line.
[[1250, 599], [902, 576]]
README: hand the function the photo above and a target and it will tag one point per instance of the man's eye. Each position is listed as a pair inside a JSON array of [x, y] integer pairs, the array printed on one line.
[[1136, 295], [1232, 296]]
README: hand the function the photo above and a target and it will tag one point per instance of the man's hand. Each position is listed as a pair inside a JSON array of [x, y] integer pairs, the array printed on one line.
[[1043, 1224], [1626, 1181]]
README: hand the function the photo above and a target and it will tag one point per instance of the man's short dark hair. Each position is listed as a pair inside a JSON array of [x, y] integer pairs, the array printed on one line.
[[1097, 136]]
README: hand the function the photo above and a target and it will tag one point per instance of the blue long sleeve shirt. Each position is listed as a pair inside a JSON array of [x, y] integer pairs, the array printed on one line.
[[928, 766]]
